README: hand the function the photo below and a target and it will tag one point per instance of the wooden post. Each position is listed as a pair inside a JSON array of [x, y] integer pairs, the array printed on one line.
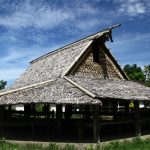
[[87, 112], [115, 109], [1, 120], [127, 107], [58, 117], [27, 111], [96, 135], [137, 118], [80, 129], [68, 112], [32, 131]]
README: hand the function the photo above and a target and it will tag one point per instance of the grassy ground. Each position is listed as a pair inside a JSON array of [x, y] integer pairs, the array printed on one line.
[[135, 144]]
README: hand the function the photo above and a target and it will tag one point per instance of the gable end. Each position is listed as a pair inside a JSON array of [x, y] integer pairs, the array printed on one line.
[[97, 64]]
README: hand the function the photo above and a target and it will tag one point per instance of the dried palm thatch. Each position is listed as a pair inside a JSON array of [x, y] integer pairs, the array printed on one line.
[[54, 92], [53, 65], [114, 89]]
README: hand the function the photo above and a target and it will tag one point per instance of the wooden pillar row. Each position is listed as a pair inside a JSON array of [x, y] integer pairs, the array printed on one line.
[[96, 134]]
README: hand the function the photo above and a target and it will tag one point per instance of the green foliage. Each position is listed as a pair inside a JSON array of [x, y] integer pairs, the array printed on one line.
[[147, 71], [70, 147], [147, 74], [39, 107], [33, 146], [135, 144], [2, 84], [134, 72], [90, 147], [52, 147]]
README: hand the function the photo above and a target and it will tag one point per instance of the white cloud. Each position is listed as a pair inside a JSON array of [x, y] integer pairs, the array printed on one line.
[[136, 38], [131, 48], [43, 15], [133, 7], [73, 14], [87, 24], [17, 60], [36, 15]]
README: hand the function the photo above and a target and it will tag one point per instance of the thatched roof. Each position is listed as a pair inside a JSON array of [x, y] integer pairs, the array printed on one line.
[[54, 92], [54, 64], [114, 89], [62, 76]]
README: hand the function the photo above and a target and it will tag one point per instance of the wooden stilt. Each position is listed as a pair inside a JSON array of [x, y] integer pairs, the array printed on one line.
[[32, 131], [80, 130], [87, 112], [127, 108], [115, 109], [58, 117], [27, 111], [96, 134], [137, 118], [1, 120], [68, 112]]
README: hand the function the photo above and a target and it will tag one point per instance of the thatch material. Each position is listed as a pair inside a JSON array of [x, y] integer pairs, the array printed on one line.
[[54, 64], [114, 89], [56, 92], [105, 69], [50, 67]]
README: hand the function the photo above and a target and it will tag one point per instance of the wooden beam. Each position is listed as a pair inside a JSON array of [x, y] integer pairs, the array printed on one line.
[[89, 38], [96, 130], [115, 26], [75, 62], [25, 87], [80, 87]]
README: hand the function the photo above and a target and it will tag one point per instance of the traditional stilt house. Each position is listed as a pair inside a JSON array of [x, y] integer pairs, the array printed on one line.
[[90, 92]]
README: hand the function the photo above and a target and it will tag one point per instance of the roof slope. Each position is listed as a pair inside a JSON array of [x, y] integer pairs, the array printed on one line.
[[54, 92], [114, 89], [54, 64]]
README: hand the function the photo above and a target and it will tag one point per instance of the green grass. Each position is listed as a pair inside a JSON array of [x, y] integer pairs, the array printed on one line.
[[135, 144]]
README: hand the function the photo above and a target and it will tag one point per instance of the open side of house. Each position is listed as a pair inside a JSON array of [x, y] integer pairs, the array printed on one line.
[[76, 93]]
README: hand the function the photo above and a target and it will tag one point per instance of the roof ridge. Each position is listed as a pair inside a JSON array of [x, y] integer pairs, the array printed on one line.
[[72, 44]]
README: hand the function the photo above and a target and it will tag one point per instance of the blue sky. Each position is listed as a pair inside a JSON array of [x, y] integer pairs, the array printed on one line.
[[30, 28]]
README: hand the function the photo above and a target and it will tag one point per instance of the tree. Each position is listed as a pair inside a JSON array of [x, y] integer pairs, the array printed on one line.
[[134, 72], [2, 84], [147, 74]]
